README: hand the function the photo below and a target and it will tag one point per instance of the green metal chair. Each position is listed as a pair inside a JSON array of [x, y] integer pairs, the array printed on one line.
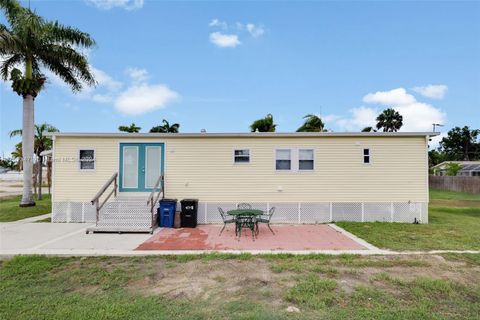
[[226, 220], [265, 219]]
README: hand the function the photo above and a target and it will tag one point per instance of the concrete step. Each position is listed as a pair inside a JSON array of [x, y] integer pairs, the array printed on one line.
[[120, 229]]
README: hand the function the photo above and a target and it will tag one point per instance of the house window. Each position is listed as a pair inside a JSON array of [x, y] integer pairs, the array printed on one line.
[[87, 159], [366, 156], [283, 159], [305, 159], [241, 156]]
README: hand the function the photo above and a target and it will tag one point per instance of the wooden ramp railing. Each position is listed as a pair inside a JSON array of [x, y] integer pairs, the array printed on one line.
[[96, 200], [159, 189]]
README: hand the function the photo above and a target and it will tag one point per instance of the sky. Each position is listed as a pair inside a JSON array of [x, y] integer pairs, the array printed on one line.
[[220, 65]]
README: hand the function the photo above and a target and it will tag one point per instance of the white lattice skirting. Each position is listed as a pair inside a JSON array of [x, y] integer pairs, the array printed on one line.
[[285, 212]]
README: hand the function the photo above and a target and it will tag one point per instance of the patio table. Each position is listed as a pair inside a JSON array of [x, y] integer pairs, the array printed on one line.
[[245, 218]]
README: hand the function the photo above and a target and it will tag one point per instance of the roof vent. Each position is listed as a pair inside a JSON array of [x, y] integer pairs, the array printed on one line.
[[203, 131]]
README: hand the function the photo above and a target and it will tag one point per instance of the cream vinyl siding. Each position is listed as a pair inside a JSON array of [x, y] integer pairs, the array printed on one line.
[[202, 168]]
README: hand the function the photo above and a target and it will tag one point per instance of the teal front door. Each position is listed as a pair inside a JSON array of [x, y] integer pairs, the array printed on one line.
[[140, 166]]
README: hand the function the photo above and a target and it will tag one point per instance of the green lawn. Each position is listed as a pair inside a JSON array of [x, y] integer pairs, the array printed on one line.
[[454, 223], [10, 211], [226, 286]]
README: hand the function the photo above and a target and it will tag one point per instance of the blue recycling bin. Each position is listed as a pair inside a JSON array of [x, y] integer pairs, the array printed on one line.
[[166, 212]]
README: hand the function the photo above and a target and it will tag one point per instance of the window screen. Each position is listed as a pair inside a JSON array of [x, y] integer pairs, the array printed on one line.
[[283, 159], [305, 159], [366, 156], [241, 156], [87, 159]]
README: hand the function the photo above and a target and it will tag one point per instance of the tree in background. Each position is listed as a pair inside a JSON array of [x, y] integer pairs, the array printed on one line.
[[313, 123], [435, 157], [369, 129], [17, 156], [31, 41], [451, 169], [41, 143], [166, 127], [7, 163], [461, 144], [263, 125], [389, 120], [130, 129]]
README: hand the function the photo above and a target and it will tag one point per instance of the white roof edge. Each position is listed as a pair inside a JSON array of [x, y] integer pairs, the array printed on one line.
[[239, 135]]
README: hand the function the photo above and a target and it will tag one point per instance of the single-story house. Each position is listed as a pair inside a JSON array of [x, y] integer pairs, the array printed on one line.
[[307, 177], [468, 168]]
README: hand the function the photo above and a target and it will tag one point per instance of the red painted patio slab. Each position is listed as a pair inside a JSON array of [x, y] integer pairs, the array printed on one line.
[[287, 237]]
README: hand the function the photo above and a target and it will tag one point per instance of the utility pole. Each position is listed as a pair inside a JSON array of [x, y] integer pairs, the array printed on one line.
[[435, 125]]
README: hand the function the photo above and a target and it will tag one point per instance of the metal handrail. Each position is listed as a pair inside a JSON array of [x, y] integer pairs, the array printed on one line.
[[153, 201], [96, 199]]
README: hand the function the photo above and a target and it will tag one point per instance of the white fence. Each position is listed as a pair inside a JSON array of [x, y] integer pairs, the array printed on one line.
[[285, 212]]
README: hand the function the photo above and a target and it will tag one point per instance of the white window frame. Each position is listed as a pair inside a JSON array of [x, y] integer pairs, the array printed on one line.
[[94, 160], [369, 156], [242, 163], [294, 160], [298, 159]]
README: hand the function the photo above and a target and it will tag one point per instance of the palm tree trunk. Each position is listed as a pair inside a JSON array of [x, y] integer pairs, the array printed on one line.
[[40, 177], [27, 150]]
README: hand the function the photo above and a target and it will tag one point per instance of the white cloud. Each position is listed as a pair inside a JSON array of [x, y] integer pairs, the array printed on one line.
[[124, 4], [395, 96], [417, 116], [432, 91], [360, 118], [138, 75], [224, 40], [255, 31], [139, 99], [218, 23]]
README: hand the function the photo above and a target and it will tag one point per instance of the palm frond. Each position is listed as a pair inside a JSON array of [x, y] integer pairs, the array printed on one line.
[[9, 64], [12, 10], [15, 133], [68, 35], [69, 58]]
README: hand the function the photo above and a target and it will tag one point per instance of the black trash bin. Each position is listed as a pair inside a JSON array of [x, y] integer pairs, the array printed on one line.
[[166, 212], [189, 213]]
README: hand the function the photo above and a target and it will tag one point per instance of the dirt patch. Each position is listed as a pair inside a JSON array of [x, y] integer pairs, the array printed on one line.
[[221, 280]]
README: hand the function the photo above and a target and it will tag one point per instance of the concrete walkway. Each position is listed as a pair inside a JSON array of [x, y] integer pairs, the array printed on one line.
[[70, 239]]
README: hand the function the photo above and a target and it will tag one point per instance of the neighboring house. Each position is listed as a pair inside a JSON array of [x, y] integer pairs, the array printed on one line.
[[469, 168], [307, 177]]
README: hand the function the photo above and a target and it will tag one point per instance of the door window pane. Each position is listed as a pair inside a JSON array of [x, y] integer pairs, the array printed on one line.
[[130, 167], [152, 165]]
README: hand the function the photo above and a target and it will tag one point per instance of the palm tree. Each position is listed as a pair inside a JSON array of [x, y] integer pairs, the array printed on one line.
[[130, 129], [33, 42], [41, 143], [369, 129], [166, 127], [17, 156], [312, 123], [390, 120], [263, 125]]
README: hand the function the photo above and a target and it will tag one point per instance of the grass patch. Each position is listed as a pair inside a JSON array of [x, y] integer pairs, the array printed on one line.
[[436, 194], [38, 287], [10, 210], [450, 227], [313, 292], [469, 258]]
